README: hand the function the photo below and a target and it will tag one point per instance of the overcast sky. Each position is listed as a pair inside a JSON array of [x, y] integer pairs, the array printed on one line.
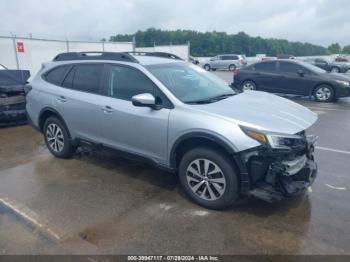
[[316, 21]]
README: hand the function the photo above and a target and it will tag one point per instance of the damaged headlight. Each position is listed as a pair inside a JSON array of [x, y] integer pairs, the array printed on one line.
[[274, 140]]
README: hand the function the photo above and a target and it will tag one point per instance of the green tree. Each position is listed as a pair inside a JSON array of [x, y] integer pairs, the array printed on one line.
[[213, 43], [346, 49], [334, 49]]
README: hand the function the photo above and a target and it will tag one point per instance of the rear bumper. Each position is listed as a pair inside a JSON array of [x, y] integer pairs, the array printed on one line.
[[276, 175]]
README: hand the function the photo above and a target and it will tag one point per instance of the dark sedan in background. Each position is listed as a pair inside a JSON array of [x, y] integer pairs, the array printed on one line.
[[292, 77], [334, 67]]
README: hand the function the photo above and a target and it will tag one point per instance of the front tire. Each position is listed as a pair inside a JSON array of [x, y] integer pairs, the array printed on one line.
[[57, 138], [335, 70], [209, 178], [207, 67], [324, 93]]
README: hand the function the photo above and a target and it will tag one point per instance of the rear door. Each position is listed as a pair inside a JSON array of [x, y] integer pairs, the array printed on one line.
[[266, 76], [227, 60], [79, 100]]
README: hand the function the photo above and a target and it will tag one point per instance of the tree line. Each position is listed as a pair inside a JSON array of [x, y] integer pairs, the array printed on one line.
[[213, 43]]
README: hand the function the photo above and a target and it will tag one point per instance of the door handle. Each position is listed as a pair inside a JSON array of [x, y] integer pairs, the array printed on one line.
[[61, 99], [107, 109]]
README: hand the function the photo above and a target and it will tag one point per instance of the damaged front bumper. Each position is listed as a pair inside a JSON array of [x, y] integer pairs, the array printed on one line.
[[12, 106], [12, 117], [276, 174]]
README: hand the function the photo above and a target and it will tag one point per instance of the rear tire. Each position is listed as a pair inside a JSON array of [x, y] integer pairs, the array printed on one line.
[[248, 85], [57, 138], [324, 93], [209, 178], [232, 68]]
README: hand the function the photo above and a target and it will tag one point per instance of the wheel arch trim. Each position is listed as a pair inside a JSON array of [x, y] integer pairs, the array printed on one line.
[[53, 111], [201, 135]]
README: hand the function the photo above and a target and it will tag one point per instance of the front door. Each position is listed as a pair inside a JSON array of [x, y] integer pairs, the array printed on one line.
[[295, 79], [138, 130]]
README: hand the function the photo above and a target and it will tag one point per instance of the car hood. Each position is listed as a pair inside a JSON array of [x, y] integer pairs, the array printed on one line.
[[263, 111]]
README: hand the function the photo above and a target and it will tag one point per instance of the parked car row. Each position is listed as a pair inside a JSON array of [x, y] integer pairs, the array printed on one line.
[[292, 77], [334, 67]]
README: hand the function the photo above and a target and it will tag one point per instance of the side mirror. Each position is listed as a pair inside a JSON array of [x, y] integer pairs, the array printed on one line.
[[300, 72], [144, 100]]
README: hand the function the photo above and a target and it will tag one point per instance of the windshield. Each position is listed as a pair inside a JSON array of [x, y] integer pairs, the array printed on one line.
[[190, 83], [313, 68]]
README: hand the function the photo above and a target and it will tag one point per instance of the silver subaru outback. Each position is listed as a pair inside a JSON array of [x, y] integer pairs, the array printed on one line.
[[221, 143]]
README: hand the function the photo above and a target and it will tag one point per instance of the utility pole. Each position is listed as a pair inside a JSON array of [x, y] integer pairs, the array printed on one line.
[[15, 49], [134, 43]]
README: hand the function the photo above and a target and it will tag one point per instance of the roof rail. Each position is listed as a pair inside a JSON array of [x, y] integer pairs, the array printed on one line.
[[157, 54], [125, 57]]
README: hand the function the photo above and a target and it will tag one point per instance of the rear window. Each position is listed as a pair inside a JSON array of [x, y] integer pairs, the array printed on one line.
[[265, 66], [86, 78], [229, 57], [56, 75]]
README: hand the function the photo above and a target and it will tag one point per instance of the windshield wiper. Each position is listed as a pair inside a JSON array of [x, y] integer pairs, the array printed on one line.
[[211, 99]]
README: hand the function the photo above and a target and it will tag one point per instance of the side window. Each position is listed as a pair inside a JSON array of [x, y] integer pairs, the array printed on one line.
[[319, 60], [291, 68], [234, 57], [56, 75], [85, 77], [266, 66], [68, 81], [124, 83]]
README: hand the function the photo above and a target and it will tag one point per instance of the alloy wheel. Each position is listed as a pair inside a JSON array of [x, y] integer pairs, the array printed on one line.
[[206, 179], [323, 93], [207, 67], [55, 137], [248, 86], [232, 68]]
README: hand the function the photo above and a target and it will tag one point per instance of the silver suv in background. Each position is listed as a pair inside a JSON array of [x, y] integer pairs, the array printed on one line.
[[179, 117], [229, 62]]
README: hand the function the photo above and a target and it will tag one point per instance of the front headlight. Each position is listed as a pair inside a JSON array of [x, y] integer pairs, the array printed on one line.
[[342, 82], [274, 140]]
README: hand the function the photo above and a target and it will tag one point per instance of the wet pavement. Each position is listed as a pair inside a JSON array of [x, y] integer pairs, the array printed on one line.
[[104, 204]]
